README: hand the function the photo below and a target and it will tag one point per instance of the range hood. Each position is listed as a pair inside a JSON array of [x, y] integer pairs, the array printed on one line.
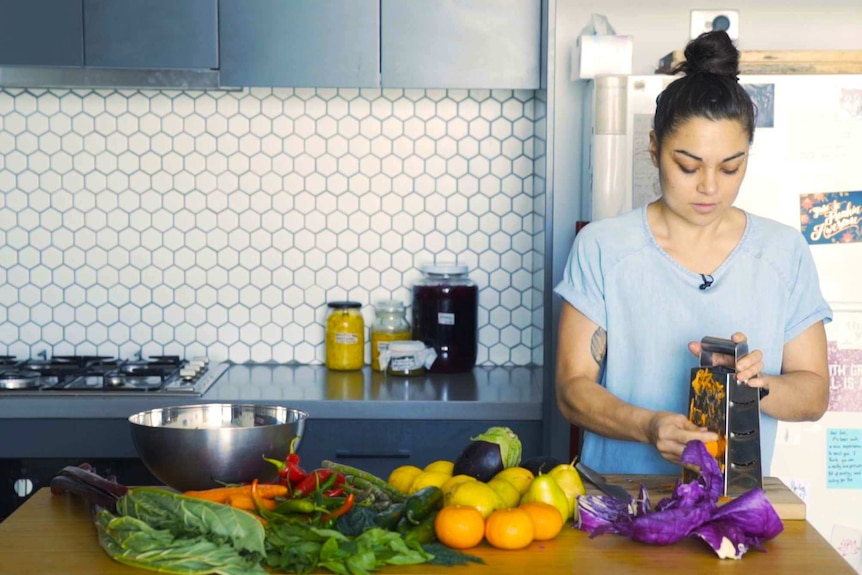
[[140, 78]]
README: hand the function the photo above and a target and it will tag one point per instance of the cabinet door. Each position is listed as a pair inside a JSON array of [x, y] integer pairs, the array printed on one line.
[[323, 43], [41, 33], [151, 33], [461, 44]]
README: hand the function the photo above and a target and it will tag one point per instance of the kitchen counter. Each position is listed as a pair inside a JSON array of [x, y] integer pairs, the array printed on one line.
[[498, 393], [84, 426], [53, 534]]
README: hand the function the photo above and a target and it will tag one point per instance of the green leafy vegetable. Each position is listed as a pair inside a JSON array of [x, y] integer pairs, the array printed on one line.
[[188, 517], [133, 542], [299, 548]]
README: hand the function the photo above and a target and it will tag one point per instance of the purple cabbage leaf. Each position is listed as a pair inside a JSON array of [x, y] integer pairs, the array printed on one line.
[[691, 511]]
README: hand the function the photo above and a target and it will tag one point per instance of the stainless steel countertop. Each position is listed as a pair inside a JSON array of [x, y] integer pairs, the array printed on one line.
[[494, 393]]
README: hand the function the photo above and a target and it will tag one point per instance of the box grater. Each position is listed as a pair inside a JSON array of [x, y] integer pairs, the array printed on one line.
[[731, 409]]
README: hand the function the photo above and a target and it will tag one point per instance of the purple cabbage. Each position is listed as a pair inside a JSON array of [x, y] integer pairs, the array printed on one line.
[[692, 510]]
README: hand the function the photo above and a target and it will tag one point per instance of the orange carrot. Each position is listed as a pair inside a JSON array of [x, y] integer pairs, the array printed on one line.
[[245, 502], [221, 494]]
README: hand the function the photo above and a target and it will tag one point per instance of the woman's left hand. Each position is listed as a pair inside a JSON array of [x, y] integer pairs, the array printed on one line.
[[749, 368]]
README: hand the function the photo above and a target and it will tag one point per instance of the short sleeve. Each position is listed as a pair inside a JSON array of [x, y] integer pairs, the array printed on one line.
[[582, 284], [807, 305]]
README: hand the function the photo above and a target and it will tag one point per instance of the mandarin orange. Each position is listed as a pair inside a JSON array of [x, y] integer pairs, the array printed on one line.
[[459, 526], [509, 528], [547, 521]]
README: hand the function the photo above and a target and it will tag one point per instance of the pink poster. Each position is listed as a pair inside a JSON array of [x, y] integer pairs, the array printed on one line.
[[845, 372]]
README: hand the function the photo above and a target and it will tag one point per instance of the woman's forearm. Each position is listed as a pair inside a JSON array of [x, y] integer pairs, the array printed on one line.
[[590, 406], [795, 396]]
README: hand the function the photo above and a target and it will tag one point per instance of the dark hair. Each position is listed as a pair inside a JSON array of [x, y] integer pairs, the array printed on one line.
[[710, 88]]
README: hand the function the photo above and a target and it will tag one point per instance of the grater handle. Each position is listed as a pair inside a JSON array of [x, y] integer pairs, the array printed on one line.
[[709, 346]]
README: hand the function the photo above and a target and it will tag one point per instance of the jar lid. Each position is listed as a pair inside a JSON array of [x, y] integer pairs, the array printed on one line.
[[389, 305], [444, 269], [408, 346], [344, 304]]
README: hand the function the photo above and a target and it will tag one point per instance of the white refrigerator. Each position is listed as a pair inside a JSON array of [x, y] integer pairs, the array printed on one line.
[[805, 170]]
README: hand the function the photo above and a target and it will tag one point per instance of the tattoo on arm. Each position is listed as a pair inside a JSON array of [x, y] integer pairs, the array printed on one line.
[[599, 345]]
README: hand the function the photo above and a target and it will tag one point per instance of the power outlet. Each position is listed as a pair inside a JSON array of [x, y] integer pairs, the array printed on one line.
[[707, 20]]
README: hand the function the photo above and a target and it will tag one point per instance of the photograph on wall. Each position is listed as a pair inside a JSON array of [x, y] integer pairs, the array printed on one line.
[[763, 96], [831, 218]]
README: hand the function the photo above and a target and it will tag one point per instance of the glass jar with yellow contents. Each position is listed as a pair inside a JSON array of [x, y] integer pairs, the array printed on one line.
[[345, 336], [390, 324]]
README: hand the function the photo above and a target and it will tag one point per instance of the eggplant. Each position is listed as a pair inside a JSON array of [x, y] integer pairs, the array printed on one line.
[[480, 459], [540, 464]]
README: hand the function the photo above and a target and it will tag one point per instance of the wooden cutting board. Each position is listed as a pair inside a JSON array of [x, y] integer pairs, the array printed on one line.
[[786, 503]]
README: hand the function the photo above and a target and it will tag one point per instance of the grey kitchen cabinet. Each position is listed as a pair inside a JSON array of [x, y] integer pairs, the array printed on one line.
[[310, 43], [41, 33], [181, 34], [461, 44], [379, 446]]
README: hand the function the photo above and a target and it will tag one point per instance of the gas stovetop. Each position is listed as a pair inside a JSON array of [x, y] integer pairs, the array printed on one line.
[[100, 375]]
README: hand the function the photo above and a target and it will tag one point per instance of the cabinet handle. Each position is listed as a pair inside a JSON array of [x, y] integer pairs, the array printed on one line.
[[360, 454]]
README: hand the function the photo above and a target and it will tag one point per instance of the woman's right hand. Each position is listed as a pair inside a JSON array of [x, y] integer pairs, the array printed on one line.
[[670, 432]]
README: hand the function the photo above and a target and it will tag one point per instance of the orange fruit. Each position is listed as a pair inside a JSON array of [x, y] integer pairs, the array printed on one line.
[[459, 526], [547, 521], [509, 528]]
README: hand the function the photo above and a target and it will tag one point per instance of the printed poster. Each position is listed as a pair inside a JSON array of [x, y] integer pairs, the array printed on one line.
[[844, 351], [831, 218]]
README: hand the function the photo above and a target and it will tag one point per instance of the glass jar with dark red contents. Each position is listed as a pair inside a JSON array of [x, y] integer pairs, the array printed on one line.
[[445, 316]]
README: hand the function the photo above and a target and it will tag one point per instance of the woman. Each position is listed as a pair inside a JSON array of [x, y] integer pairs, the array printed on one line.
[[642, 289]]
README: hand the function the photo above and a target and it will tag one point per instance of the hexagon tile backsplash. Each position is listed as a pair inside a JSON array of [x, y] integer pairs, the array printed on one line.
[[221, 223]]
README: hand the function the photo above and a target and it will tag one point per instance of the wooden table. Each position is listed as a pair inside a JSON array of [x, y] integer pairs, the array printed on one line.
[[53, 534]]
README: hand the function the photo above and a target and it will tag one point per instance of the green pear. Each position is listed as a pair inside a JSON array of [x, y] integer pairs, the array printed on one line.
[[569, 480], [545, 489]]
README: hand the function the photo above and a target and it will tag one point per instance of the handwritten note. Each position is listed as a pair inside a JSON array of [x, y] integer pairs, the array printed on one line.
[[848, 542], [844, 459]]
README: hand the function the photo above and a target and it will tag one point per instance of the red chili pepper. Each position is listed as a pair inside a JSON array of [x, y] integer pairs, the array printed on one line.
[[314, 480], [295, 473], [338, 512], [334, 492]]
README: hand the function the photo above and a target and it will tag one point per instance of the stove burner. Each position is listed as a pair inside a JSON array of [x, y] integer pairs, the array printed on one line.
[[43, 375], [15, 380]]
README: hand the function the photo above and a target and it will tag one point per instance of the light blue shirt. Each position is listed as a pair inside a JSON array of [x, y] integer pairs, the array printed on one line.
[[651, 307]]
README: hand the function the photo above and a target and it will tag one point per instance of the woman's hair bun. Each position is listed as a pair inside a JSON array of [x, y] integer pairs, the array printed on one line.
[[711, 53]]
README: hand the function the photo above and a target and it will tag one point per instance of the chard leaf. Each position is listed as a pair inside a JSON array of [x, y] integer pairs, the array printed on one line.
[[691, 510], [133, 542], [189, 517]]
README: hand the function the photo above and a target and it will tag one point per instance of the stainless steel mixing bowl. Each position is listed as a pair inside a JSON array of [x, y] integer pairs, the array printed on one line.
[[202, 446]]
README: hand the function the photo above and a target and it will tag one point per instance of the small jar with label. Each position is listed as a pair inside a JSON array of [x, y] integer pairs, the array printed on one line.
[[345, 336], [407, 358], [390, 324]]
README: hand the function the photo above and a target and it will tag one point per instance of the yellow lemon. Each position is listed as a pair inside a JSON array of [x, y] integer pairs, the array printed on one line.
[[455, 480], [507, 492], [520, 477], [441, 466], [402, 477], [427, 478], [475, 494]]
